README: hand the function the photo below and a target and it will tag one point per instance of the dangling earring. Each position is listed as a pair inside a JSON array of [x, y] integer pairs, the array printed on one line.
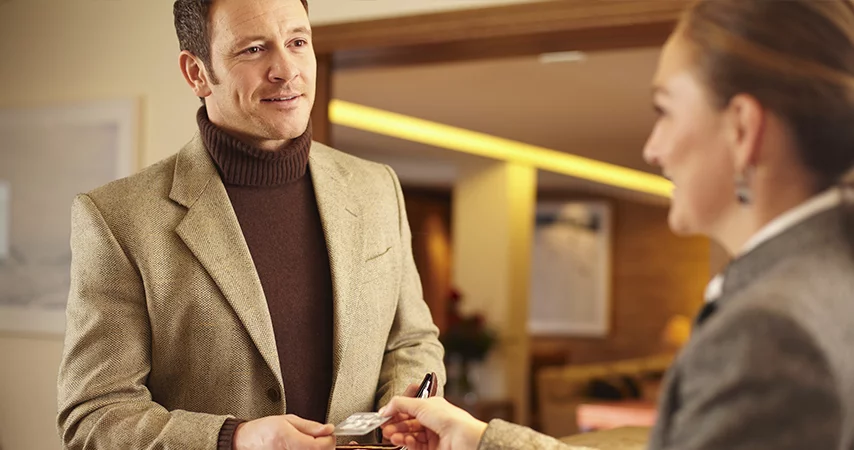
[[742, 188]]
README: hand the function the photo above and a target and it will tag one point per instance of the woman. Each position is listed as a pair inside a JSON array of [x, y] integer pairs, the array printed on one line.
[[756, 130]]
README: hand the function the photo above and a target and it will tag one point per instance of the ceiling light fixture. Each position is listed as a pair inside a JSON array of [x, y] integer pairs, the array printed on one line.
[[560, 57], [452, 138]]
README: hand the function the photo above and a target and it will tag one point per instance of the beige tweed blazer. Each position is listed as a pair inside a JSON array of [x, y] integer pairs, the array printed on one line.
[[168, 331]]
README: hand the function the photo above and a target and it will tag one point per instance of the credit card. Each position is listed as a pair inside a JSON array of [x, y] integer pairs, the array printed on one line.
[[360, 424]]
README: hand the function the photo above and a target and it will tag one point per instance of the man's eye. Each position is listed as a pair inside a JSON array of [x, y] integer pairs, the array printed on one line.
[[300, 42], [251, 50]]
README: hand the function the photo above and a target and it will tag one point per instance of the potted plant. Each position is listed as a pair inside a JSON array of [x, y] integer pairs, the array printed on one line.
[[467, 339]]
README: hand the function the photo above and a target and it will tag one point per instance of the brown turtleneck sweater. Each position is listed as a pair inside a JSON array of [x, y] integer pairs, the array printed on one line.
[[273, 198]]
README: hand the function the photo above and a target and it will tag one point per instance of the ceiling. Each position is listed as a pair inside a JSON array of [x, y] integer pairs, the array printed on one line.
[[597, 108]]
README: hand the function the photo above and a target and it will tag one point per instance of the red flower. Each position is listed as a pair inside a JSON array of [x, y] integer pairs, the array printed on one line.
[[455, 296], [466, 336]]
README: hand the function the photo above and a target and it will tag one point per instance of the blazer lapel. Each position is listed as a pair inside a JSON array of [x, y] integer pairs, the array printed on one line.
[[822, 229], [211, 231], [343, 231]]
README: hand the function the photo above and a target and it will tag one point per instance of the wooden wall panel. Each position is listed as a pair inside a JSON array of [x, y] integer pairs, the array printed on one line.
[[512, 30], [429, 214], [655, 275], [323, 94], [495, 22]]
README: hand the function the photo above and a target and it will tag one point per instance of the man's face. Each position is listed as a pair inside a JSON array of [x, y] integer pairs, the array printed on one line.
[[263, 59]]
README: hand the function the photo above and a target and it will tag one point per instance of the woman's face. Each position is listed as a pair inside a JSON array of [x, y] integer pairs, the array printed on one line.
[[689, 143]]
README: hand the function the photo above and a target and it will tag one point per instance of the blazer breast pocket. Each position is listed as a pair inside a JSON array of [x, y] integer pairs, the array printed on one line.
[[378, 263]]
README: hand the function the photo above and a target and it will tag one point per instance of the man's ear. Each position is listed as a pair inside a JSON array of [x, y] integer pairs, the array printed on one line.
[[195, 74], [745, 121]]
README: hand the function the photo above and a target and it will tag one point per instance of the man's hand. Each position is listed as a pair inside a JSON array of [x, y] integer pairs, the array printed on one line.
[[283, 432]]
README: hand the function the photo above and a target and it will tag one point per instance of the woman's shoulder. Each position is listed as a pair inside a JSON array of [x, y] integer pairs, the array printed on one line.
[[802, 307], [813, 289]]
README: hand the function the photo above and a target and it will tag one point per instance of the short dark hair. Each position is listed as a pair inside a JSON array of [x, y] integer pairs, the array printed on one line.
[[192, 18]]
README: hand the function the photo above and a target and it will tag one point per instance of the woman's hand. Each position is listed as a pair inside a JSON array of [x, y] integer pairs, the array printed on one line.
[[431, 424]]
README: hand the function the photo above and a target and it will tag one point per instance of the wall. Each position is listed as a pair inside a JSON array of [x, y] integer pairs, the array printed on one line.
[[28, 392], [655, 275], [77, 50], [429, 213]]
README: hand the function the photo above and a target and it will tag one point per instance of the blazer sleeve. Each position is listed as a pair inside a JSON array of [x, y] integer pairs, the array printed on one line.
[[413, 348], [102, 395], [759, 381]]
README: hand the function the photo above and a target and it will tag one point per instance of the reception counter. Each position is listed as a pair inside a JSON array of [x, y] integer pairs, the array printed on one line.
[[628, 438]]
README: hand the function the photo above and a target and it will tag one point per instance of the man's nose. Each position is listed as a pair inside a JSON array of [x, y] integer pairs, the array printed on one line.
[[282, 68]]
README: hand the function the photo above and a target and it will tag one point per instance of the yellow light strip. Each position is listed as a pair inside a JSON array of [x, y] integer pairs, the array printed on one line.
[[452, 138]]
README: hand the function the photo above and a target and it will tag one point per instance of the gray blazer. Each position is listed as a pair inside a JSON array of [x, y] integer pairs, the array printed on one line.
[[771, 361]]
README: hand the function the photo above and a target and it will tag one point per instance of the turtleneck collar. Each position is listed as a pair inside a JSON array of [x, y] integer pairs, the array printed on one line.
[[241, 164]]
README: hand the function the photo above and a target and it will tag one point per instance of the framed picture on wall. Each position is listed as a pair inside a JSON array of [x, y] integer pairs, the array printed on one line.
[[47, 156], [4, 220], [571, 269]]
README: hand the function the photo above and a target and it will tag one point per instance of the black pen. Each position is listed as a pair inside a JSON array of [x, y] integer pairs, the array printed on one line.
[[426, 388]]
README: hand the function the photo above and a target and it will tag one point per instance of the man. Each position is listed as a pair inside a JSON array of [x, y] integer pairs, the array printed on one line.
[[252, 274]]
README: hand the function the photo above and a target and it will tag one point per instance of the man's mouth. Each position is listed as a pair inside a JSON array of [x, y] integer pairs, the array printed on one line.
[[286, 98]]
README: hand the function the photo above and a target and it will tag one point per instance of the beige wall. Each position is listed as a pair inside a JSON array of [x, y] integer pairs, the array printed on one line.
[[66, 52], [28, 392], [71, 50]]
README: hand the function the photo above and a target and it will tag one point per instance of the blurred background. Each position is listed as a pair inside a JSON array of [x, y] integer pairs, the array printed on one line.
[[515, 126]]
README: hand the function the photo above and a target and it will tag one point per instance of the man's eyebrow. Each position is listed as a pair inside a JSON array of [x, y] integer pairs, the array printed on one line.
[[304, 30], [246, 40]]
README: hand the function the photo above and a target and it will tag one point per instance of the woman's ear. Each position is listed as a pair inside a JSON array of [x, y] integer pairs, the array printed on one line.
[[744, 119]]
